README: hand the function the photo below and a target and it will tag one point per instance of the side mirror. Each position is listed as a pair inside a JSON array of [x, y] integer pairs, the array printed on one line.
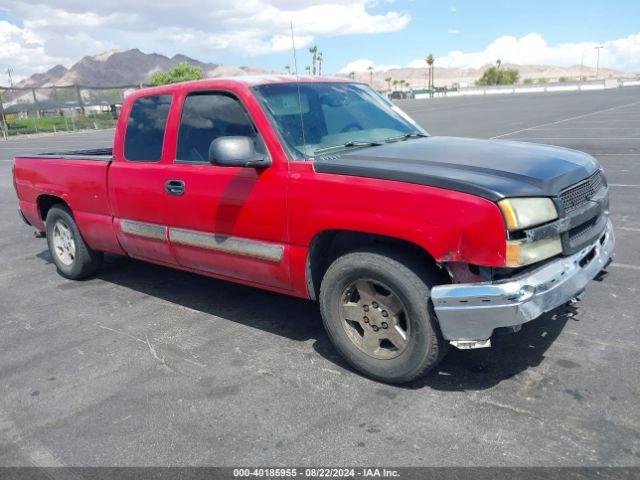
[[235, 151]]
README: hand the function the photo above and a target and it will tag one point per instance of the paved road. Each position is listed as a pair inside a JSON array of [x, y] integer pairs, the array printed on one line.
[[148, 366]]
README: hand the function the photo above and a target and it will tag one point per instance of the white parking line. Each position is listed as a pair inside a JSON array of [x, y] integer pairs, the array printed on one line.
[[585, 128], [622, 185], [617, 154], [567, 119], [624, 265], [628, 229], [575, 138]]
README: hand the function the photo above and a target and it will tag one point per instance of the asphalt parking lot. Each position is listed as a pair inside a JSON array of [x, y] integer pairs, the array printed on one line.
[[144, 365]]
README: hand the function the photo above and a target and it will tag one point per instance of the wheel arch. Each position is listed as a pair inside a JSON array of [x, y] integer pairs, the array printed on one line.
[[46, 201], [328, 245]]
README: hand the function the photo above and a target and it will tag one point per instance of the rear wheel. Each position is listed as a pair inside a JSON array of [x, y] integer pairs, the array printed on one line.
[[73, 258], [376, 309]]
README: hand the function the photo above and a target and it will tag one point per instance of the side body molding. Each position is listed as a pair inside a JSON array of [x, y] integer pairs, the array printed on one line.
[[269, 252], [147, 230], [232, 245]]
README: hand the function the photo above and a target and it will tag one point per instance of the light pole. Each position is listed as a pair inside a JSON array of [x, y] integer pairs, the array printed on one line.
[[10, 73], [598, 59]]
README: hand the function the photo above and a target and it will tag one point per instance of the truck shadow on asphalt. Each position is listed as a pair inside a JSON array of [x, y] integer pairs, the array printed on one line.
[[299, 320]]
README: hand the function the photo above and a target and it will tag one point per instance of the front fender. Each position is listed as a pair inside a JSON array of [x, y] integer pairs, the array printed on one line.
[[449, 225]]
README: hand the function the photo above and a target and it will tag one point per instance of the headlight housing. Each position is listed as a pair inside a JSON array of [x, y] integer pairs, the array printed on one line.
[[522, 213]]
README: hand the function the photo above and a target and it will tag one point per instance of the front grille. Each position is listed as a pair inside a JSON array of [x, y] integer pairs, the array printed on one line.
[[576, 196], [585, 233]]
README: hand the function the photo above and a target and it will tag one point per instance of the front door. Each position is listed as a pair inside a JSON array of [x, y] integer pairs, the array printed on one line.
[[229, 221], [136, 181]]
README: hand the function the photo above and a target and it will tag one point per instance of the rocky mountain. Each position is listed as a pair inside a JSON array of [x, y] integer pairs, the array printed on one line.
[[39, 79], [131, 67], [125, 67]]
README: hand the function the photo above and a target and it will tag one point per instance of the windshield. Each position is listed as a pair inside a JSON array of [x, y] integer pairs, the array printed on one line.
[[324, 118]]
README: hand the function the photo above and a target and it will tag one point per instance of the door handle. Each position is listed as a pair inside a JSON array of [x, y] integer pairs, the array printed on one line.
[[174, 187]]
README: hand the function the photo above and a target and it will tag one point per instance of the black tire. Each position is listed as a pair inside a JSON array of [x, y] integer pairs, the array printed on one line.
[[85, 261], [410, 279]]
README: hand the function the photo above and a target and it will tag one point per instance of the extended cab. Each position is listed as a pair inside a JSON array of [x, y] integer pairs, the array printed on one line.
[[322, 189]]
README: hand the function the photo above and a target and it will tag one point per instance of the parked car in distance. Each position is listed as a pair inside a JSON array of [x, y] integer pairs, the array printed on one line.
[[322, 189]]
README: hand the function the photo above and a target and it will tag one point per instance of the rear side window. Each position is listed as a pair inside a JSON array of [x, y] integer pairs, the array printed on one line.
[[145, 128], [205, 117]]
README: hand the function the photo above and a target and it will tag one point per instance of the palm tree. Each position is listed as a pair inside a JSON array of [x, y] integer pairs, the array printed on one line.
[[370, 68], [314, 59], [352, 75], [308, 69], [395, 83], [430, 61], [319, 63], [498, 63], [388, 80], [288, 69]]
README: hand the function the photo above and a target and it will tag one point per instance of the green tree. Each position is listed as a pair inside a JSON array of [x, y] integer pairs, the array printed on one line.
[[496, 76], [528, 81], [563, 79], [320, 59], [388, 80], [288, 69], [352, 75], [314, 58], [430, 61], [370, 68], [180, 73], [542, 80]]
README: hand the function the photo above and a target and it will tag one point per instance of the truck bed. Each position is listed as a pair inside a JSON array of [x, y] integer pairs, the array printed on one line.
[[79, 177]]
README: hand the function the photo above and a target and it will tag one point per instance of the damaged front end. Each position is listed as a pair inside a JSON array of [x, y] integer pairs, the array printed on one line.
[[481, 300]]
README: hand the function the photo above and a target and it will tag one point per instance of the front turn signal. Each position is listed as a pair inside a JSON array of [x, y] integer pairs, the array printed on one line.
[[521, 253]]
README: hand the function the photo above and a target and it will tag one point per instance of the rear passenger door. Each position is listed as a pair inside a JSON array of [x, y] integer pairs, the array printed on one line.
[[137, 181], [229, 221]]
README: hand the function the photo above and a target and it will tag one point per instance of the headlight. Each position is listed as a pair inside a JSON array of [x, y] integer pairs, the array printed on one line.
[[522, 213], [520, 253]]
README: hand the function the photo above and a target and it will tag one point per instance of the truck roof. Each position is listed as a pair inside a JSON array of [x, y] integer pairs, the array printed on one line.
[[243, 81]]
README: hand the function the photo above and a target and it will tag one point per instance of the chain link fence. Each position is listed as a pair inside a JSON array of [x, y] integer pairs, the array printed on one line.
[[58, 109]]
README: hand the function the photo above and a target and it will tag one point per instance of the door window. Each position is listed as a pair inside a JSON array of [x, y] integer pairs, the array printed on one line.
[[145, 128], [206, 117]]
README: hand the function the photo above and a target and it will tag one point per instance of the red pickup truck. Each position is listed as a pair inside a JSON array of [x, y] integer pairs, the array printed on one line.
[[322, 189]]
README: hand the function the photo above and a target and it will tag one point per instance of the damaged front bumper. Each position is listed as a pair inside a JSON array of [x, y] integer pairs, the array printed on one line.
[[468, 313]]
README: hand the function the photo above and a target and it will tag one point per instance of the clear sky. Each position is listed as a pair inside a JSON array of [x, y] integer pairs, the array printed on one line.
[[351, 34]]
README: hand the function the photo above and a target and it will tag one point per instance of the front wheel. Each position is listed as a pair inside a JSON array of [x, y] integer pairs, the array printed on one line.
[[375, 308], [73, 258]]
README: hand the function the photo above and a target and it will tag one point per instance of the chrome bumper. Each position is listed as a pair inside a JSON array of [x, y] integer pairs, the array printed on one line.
[[469, 312]]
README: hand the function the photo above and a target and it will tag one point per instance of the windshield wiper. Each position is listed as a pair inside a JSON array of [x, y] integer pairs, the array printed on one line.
[[405, 136], [350, 143]]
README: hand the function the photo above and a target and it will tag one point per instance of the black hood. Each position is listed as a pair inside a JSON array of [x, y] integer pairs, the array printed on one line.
[[493, 169]]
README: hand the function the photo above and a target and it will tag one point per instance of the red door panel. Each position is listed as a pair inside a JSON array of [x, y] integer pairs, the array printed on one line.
[[230, 221], [136, 180]]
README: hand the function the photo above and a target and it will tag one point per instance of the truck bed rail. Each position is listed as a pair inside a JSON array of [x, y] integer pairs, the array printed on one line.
[[98, 154]]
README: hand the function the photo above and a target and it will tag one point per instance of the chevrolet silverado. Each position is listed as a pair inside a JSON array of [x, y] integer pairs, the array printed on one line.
[[323, 189]]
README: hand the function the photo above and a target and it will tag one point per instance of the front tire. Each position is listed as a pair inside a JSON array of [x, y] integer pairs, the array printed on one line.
[[73, 258], [376, 309]]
